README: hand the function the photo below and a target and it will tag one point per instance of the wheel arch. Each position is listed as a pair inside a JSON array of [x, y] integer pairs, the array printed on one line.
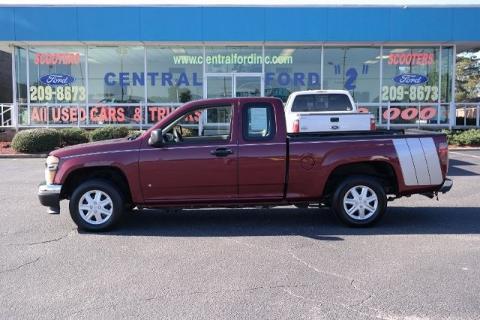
[[381, 170], [109, 173]]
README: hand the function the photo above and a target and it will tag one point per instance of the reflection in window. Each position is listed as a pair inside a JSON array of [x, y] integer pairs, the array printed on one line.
[[259, 121], [468, 76], [219, 115], [21, 74], [410, 75], [354, 69], [233, 59], [447, 63], [174, 74], [116, 74], [57, 75], [6, 89], [219, 87], [291, 69]]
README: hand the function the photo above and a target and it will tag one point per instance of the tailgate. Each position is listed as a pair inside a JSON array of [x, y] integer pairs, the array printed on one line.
[[334, 122]]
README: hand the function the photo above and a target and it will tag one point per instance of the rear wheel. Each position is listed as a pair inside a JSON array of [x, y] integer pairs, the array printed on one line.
[[96, 205], [359, 201]]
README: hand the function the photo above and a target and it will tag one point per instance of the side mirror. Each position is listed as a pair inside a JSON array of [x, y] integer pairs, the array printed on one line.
[[156, 138]]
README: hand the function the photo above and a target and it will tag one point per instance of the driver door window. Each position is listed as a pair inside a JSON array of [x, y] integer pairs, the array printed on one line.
[[203, 124]]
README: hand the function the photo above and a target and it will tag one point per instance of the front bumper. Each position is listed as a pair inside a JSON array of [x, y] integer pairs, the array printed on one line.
[[49, 195], [446, 186]]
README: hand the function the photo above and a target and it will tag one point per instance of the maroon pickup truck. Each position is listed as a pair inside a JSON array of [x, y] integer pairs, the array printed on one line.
[[236, 152]]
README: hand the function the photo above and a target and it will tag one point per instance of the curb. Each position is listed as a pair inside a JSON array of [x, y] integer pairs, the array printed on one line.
[[23, 156], [464, 149]]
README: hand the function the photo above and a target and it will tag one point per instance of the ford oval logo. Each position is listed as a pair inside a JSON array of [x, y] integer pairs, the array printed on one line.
[[56, 79], [410, 79]]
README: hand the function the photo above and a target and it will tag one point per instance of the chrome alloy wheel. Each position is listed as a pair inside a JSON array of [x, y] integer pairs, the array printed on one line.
[[360, 202], [95, 207]]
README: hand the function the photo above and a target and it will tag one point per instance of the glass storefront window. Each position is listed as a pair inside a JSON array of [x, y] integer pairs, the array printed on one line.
[[57, 85], [219, 87], [232, 59], [119, 85], [354, 69], [21, 74], [174, 74], [467, 82], [116, 74], [447, 65], [291, 69], [57, 75], [6, 90], [410, 75]]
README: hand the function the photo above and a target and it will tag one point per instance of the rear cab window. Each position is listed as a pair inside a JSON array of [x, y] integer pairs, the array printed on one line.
[[321, 102], [258, 121]]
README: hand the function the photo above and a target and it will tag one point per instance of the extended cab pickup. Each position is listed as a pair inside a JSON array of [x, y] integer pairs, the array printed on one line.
[[249, 160]]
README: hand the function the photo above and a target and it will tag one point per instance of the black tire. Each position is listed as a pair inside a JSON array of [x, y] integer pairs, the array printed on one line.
[[116, 207], [355, 219]]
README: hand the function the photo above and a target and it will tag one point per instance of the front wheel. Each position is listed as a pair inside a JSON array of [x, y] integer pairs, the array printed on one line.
[[359, 201], [96, 205]]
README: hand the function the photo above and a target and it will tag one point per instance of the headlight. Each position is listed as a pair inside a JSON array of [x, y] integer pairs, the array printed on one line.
[[51, 166]]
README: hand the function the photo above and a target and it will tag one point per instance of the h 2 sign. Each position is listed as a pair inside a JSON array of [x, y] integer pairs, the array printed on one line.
[[351, 75]]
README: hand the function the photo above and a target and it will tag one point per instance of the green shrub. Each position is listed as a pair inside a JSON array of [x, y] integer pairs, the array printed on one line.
[[109, 132], [463, 138], [72, 136], [469, 137], [36, 140]]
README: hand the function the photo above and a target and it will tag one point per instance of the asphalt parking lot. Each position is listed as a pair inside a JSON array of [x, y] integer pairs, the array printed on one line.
[[422, 261]]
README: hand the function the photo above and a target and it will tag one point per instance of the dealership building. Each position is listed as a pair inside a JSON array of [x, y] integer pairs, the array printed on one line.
[[88, 66]]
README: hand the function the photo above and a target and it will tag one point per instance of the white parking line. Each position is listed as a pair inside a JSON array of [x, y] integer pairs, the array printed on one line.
[[463, 154]]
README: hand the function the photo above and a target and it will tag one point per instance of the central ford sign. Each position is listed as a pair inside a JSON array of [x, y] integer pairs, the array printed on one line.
[[57, 79], [410, 79]]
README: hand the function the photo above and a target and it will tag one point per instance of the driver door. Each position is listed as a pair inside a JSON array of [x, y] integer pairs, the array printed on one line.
[[197, 163]]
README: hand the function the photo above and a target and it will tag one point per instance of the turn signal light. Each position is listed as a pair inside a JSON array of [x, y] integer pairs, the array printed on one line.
[[296, 126], [373, 124], [51, 166], [443, 154]]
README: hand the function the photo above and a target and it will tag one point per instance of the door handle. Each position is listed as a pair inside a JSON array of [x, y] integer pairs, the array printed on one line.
[[221, 152]]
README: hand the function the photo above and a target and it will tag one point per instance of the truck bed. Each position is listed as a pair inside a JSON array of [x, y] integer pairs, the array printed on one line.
[[347, 135], [412, 155]]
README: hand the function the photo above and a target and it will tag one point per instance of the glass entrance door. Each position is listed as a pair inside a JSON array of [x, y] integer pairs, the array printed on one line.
[[247, 86], [219, 86], [233, 85]]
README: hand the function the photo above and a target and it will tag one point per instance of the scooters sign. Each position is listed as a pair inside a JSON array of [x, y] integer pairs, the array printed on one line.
[[411, 58], [57, 58]]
